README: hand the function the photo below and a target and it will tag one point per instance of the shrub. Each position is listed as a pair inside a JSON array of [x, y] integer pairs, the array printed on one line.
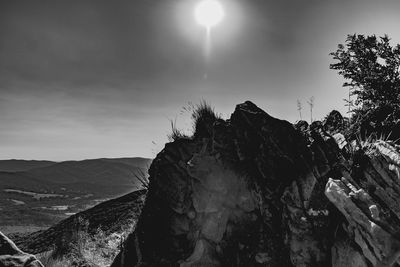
[[371, 68]]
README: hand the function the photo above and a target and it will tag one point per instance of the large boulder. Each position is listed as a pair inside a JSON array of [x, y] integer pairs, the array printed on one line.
[[12, 256], [254, 190]]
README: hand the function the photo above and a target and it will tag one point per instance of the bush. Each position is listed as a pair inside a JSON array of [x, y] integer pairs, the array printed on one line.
[[371, 67]]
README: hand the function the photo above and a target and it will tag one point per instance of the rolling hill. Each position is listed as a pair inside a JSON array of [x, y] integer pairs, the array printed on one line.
[[13, 165], [112, 216], [41, 193]]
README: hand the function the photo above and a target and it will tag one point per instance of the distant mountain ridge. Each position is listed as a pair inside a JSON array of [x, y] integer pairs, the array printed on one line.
[[103, 171], [98, 171], [13, 165]]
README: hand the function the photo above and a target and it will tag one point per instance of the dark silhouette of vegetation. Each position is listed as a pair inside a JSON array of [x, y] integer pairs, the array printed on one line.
[[334, 123], [141, 176], [203, 116], [176, 134], [371, 68]]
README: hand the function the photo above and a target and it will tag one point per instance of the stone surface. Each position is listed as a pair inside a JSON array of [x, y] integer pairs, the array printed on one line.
[[12, 256], [254, 190], [371, 206]]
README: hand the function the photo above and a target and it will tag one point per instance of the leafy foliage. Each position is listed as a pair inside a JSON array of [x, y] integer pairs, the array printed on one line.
[[371, 68], [334, 122]]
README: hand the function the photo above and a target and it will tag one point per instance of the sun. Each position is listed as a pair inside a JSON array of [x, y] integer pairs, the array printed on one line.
[[209, 13]]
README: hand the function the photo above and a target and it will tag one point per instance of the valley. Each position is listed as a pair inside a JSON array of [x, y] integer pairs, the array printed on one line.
[[37, 194]]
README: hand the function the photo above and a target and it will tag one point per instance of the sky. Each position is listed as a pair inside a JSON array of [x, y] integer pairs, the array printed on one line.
[[92, 78]]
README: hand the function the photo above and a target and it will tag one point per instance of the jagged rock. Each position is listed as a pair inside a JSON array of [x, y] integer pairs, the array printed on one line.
[[372, 206], [12, 256], [340, 140], [258, 191]]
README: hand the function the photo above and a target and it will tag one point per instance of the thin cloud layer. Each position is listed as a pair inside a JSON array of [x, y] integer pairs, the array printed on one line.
[[87, 79]]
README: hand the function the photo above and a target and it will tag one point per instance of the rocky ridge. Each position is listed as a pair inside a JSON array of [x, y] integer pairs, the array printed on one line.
[[254, 190]]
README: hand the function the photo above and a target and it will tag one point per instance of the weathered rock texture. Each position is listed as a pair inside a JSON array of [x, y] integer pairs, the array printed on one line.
[[370, 204], [12, 256], [258, 191]]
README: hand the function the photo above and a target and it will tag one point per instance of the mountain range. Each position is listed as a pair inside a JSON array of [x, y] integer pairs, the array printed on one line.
[[41, 193]]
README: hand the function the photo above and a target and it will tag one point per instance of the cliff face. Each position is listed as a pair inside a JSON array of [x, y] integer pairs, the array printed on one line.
[[257, 191]]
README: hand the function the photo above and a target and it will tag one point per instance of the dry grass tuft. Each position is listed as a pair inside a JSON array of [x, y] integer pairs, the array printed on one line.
[[203, 116], [85, 250], [176, 134]]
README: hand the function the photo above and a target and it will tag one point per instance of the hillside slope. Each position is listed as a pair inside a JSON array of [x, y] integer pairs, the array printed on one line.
[[112, 216], [45, 195]]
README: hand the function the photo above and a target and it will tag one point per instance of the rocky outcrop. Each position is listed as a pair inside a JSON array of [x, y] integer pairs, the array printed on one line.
[[12, 256], [371, 204], [254, 190]]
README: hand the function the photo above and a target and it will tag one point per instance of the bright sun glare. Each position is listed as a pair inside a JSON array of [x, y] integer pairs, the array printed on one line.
[[209, 13]]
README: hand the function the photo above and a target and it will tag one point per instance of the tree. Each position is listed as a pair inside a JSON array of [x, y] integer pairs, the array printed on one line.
[[371, 68]]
